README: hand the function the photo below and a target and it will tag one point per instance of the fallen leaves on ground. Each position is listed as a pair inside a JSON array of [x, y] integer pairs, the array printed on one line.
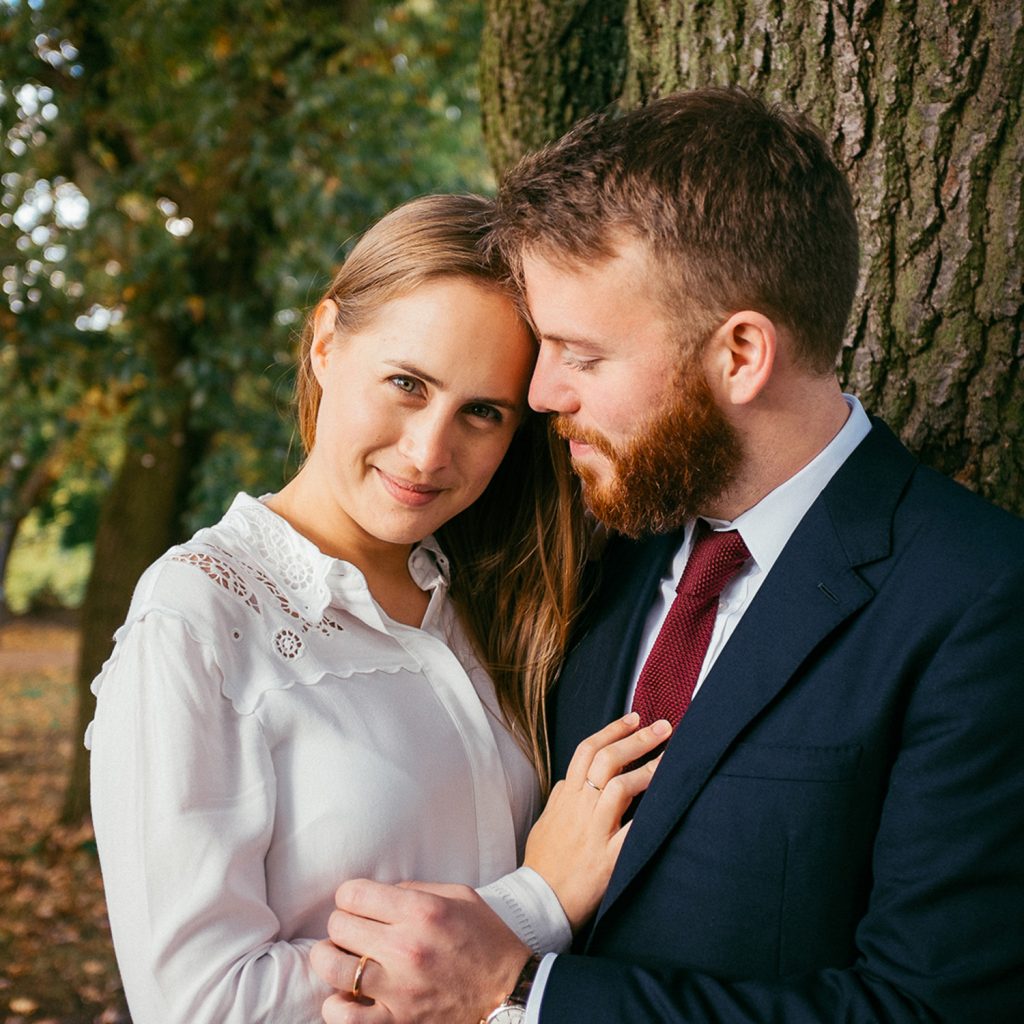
[[56, 961]]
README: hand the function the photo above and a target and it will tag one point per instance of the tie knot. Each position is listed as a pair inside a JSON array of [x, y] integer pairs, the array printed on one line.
[[715, 559]]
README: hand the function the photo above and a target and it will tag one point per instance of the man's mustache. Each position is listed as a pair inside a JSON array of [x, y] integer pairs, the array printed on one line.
[[568, 430]]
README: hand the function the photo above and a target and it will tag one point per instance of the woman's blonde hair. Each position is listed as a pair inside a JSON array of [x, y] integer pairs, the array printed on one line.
[[517, 552]]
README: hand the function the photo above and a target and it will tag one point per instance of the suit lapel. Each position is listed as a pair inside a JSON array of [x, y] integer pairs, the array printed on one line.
[[811, 589]]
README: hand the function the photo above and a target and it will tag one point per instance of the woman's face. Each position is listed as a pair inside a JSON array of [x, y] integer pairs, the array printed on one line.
[[417, 411]]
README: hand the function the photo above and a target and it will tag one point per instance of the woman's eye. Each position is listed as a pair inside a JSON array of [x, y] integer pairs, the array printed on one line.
[[406, 384], [485, 412]]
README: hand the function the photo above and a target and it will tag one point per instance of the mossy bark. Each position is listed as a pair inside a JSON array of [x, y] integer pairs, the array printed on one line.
[[922, 103], [544, 64]]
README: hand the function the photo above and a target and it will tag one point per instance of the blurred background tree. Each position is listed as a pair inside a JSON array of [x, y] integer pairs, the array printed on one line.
[[179, 179], [924, 105]]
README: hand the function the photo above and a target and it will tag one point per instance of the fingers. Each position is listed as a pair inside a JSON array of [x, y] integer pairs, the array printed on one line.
[[350, 931], [449, 890], [588, 748], [376, 901], [341, 1009], [341, 970], [395, 915], [612, 758], [621, 791]]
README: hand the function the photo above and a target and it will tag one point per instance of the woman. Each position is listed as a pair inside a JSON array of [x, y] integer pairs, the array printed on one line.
[[310, 691]]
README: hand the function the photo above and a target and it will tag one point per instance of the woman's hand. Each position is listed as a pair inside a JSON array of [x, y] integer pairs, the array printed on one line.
[[576, 841]]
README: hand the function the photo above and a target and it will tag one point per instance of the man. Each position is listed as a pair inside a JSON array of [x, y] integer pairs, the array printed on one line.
[[836, 828]]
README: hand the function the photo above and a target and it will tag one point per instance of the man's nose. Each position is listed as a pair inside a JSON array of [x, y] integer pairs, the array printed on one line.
[[550, 390]]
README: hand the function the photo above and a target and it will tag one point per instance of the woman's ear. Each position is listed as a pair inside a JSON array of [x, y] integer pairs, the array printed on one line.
[[324, 335], [741, 356]]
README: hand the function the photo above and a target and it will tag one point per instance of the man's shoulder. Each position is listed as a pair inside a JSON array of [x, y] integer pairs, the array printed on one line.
[[928, 508], [961, 523]]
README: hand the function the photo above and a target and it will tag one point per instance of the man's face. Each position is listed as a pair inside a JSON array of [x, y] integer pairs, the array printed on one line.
[[650, 444]]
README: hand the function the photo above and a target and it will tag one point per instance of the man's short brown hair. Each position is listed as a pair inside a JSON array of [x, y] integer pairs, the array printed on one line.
[[741, 206]]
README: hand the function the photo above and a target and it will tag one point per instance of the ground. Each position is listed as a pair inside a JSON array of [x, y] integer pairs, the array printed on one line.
[[56, 961]]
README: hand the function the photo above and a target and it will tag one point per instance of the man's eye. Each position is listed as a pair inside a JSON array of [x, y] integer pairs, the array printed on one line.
[[576, 363]]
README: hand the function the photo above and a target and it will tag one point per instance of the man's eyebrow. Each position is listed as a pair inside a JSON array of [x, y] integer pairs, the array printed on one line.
[[415, 371], [563, 339]]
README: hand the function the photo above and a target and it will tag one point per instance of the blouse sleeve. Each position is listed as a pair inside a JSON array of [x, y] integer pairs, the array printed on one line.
[[530, 908], [183, 796]]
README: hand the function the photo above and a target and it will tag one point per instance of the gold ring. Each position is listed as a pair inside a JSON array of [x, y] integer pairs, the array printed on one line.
[[592, 785], [357, 981]]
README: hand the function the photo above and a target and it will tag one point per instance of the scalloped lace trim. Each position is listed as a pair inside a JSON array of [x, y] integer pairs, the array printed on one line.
[[287, 643]]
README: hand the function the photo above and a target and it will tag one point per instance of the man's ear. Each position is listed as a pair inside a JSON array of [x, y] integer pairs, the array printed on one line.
[[324, 335], [740, 357]]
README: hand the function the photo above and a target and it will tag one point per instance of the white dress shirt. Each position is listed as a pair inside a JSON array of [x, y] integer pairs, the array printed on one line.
[[765, 528], [263, 732]]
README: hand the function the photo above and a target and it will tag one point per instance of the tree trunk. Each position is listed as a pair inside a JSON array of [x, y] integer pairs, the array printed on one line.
[[923, 106], [141, 517], [545, 64], [32, 490]]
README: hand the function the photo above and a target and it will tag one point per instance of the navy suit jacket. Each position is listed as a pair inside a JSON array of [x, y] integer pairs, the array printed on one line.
[[836, 830]]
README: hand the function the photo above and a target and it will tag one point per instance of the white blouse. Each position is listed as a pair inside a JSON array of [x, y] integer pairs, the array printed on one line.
[[264, 731]]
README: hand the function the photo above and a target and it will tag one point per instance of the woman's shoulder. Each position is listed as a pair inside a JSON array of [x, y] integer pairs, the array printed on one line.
[[207, 579], [254, 593]]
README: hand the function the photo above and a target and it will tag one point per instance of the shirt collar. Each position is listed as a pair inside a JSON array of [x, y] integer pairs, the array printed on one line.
[[767, 526], [302, 570], [428, 564]]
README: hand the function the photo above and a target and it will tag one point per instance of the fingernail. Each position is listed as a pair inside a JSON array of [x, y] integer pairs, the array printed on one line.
[[661, 728], [631, 719]]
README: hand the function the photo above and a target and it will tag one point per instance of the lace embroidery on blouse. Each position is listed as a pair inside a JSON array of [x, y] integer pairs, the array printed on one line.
[[288, 564], [287, 643], [265, 574]]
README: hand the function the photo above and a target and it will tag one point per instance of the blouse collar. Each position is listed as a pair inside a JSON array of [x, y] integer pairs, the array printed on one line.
[[301, 569]]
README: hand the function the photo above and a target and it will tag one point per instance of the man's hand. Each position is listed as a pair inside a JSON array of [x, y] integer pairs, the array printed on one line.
[[438, 955]]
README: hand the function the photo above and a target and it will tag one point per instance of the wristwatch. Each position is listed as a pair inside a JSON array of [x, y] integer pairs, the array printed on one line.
[[513, 1009]]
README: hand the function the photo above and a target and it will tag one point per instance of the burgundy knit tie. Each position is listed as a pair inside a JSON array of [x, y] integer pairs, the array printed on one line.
[[670, 672]]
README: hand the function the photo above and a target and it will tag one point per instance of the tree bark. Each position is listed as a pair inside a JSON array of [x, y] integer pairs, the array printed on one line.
[[922, 103], [544, 64], [140, 518]]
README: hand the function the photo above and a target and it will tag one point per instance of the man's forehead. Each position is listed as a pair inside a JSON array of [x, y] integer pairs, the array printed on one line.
[[619, 245], [620, 285]]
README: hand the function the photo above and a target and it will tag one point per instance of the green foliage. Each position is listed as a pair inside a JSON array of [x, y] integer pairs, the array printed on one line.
[[43, 573], [226, 156]]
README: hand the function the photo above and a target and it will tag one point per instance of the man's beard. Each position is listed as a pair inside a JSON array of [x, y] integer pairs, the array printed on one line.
[[678, 464]]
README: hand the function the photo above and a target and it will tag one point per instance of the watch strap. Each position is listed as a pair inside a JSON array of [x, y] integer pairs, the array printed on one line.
[[519, 995], [524, 983]]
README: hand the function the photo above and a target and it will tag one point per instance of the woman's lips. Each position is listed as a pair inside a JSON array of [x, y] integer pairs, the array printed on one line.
[[407, 493]]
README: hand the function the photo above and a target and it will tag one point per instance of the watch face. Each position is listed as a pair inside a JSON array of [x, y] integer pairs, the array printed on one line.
[[508, 1015]]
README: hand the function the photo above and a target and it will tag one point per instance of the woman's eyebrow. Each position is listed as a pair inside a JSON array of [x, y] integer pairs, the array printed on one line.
[[415, 371]]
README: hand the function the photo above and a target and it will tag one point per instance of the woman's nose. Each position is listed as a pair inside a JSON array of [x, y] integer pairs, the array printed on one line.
[[427, 442]]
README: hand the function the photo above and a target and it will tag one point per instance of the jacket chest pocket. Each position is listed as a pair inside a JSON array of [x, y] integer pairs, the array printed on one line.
[[792, 763]]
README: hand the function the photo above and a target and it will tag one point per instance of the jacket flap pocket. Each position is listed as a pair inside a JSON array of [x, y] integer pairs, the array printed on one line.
[[799, 763]]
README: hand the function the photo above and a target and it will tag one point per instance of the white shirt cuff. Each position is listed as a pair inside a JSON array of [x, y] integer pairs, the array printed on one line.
[[528, 905], [537, 991]]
